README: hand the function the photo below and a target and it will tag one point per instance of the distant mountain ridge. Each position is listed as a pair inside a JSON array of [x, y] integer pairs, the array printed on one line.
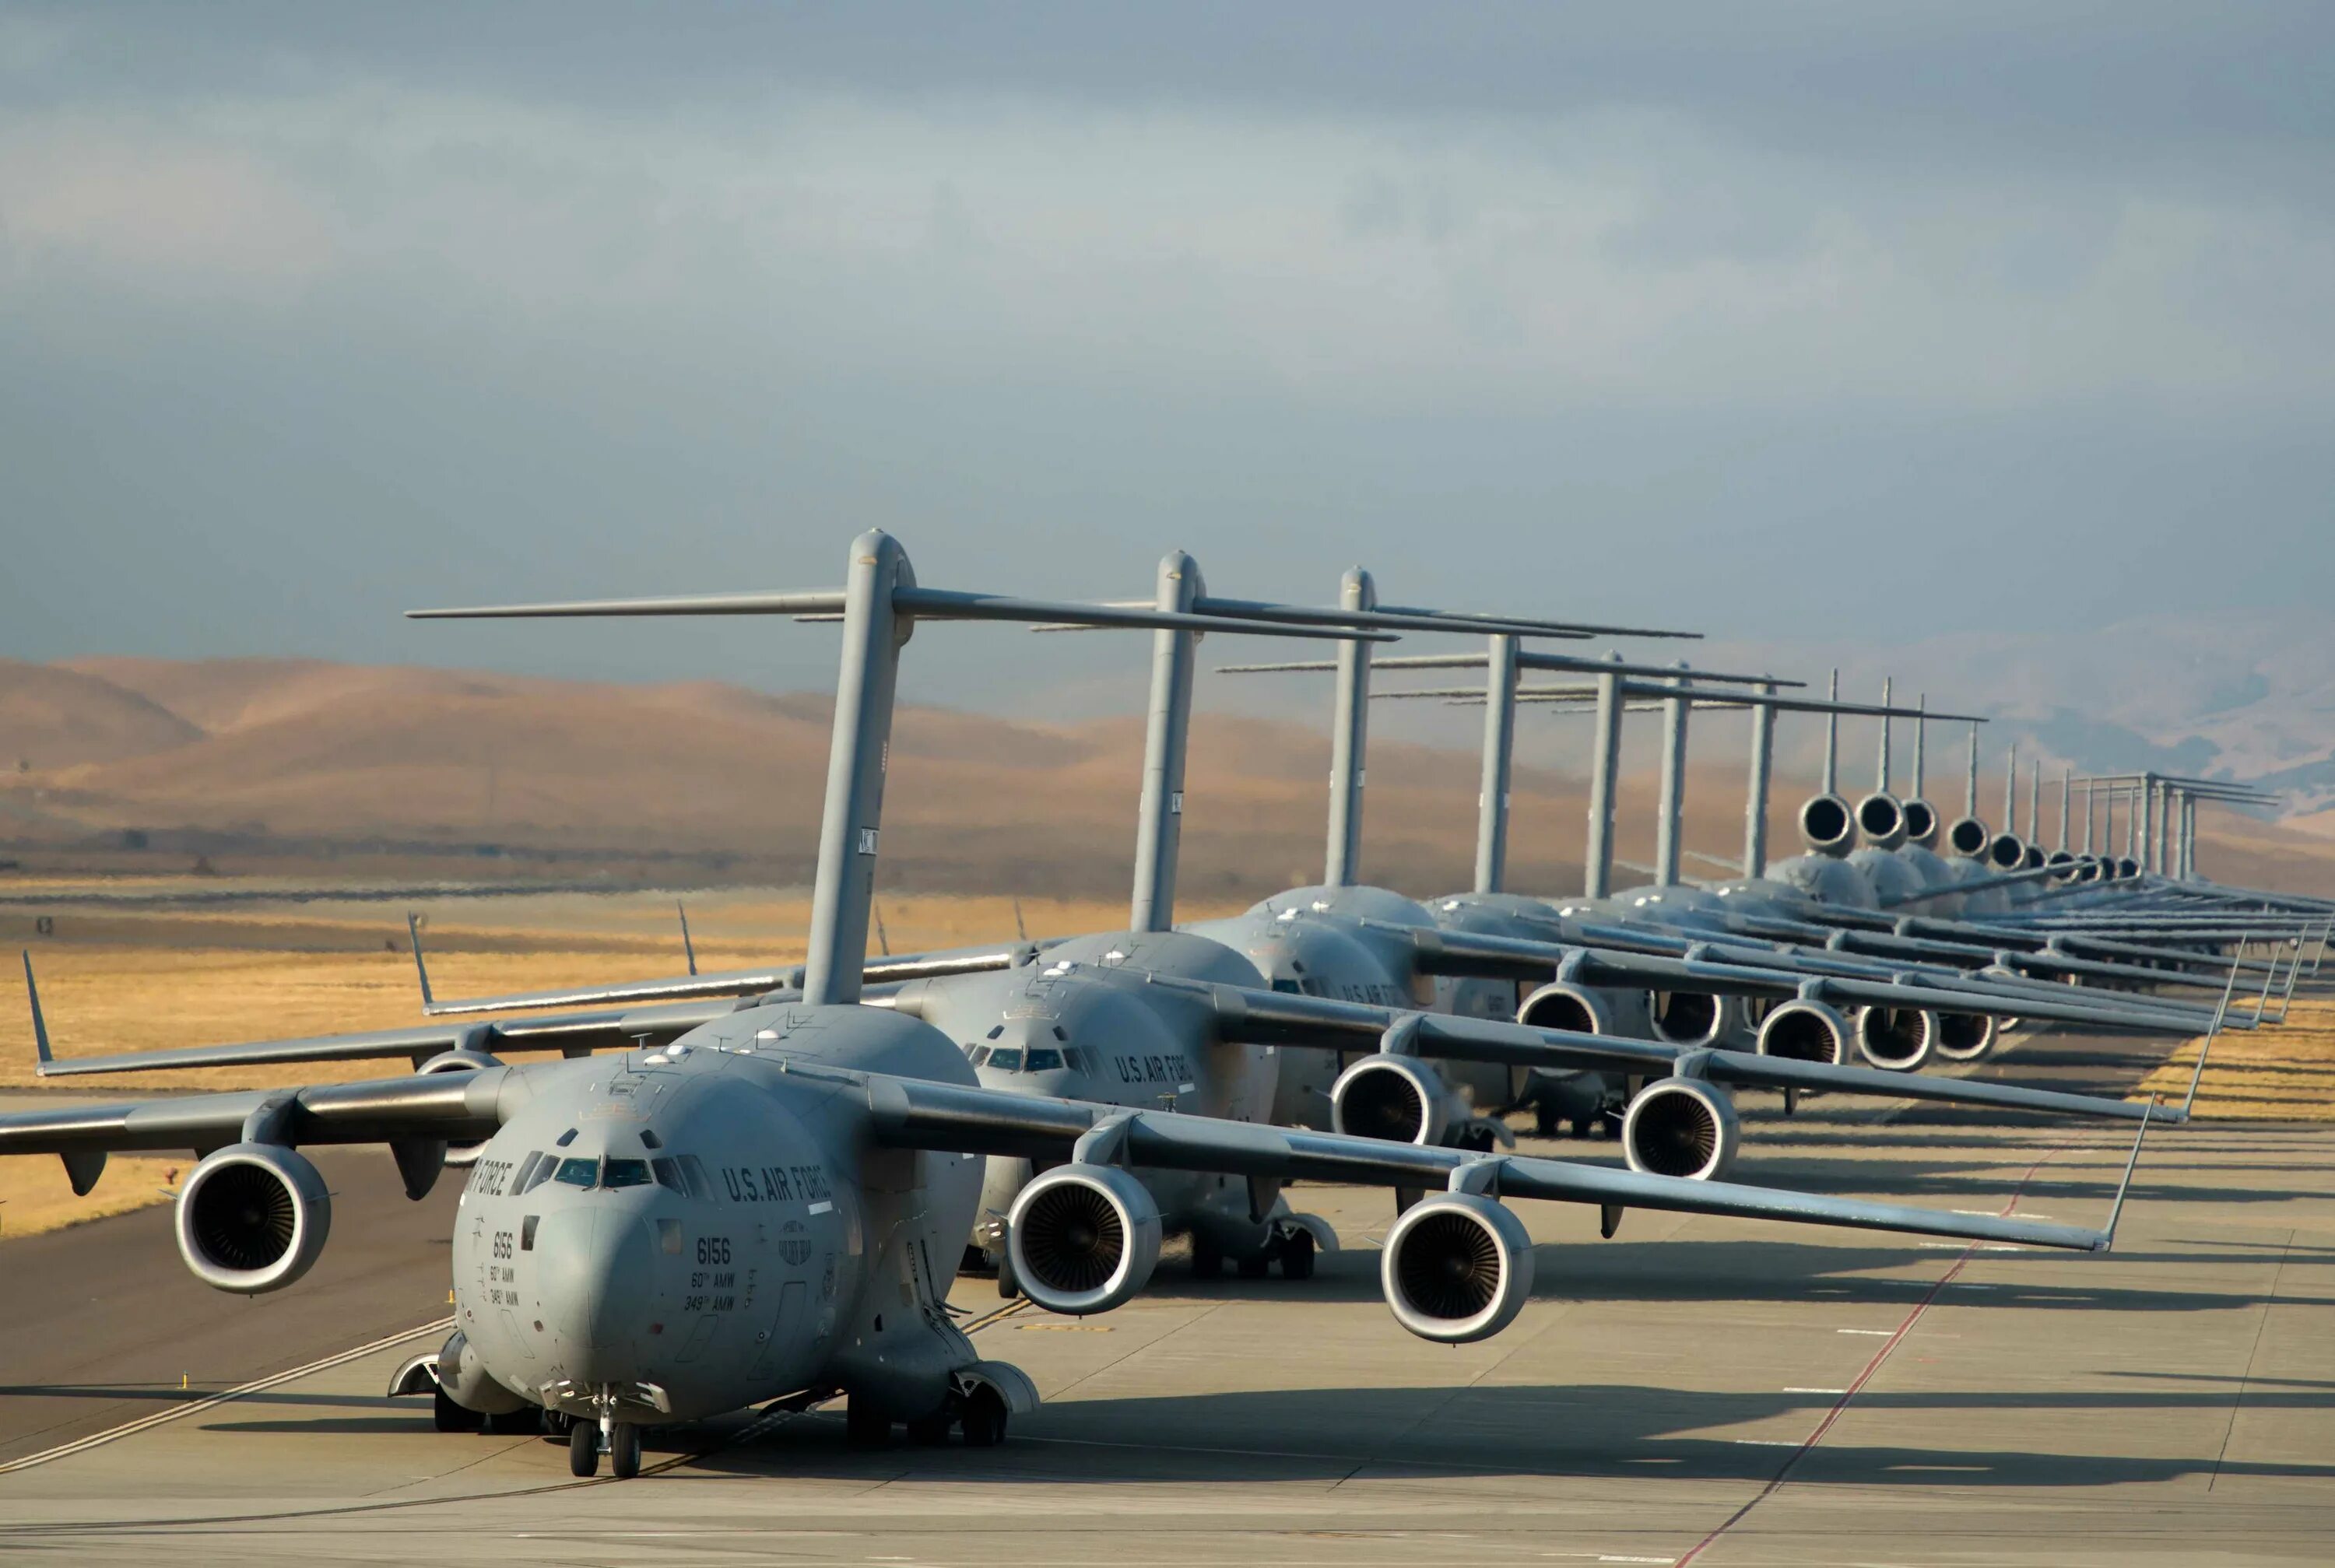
[[254, 763]]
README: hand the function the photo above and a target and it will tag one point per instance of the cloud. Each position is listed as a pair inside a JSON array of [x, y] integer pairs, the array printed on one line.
[[1374, 261]]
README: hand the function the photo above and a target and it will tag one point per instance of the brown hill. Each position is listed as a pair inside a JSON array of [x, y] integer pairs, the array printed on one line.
[[278, 765]]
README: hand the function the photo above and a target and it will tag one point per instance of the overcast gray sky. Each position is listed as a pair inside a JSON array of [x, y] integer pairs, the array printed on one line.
[[1730, 317]]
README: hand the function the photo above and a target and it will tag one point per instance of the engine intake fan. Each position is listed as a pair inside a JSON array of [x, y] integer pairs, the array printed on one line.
[[253, 1218], [1965, 1036], [1806, 1031], [1397, 1097], [1681, 1127], [1457, 1268], [1897, 1038], [1083, 1238]]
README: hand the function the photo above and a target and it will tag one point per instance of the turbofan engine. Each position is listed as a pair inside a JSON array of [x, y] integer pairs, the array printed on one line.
[[253, 1217], [1806, 1031], [1895, 1039], [1397, 1097], [1083, 1238], [461, 1156], [1681, 1127], [1826, 825], [1692, 1017], [1585, 1010], [1457, 1268], [1968, 838], [1965, 1036]]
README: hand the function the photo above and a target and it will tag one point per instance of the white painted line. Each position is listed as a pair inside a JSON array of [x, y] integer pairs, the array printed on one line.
[[176, 1412], [1815, 1390], [1876, 1333], [1766, 1442]]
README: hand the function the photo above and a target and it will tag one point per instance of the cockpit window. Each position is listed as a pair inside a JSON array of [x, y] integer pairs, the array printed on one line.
[[700, 1186], [577, 1173], [625, 1173], [1041, 1059], [534, 1173], [526, 1170], [668, 1175], [980, 1055], [1285, 985], [1006, 1059]]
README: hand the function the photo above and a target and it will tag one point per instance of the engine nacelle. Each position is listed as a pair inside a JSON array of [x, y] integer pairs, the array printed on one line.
[[1965, 1036], [1692, 1017], [1806, 1031], [253, 1218], [1968, 838], [1398, 1098], [1881, 820], [2006, 852], [459, 1155], [1895, 1039], [1083, 1238], [1921, 823], [2032, 860], [1582, 1009], [1681, 1127], [1457, 1268], [1826, 826]]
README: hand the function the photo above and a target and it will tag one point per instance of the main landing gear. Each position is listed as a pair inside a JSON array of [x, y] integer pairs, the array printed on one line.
[[980, 1415], [1291, 1247]]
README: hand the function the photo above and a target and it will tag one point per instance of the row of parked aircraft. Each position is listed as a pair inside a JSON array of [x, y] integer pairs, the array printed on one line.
[[736, 1188]]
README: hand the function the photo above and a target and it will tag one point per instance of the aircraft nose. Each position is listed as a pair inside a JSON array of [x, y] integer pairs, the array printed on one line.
[[596, 1264]]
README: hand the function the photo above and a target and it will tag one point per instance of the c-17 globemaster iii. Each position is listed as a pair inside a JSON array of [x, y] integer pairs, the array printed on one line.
[[763, 1207]]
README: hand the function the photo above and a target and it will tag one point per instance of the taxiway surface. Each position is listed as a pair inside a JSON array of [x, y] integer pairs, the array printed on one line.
[[1695, 1390]]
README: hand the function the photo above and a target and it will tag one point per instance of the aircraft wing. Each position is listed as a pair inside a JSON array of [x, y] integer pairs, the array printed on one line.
[[570, 1034], [735, 982], [1649, 972], [1273, 1017], [458, 1106], [918, 1114]]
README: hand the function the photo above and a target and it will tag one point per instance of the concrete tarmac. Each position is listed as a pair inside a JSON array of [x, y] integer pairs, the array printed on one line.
[[1694, 1389]]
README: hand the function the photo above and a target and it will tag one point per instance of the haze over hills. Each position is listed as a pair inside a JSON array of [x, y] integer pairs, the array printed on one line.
[[130, 764]]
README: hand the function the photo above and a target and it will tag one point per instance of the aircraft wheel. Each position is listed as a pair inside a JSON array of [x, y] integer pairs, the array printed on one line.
[[983, 1419], [450, 1417], [625, 1456], [1585, 1126], [583, 1449], [865, 1425], [931, 1432], [558, 1424], [1254, 1268], [1207, 1263], [524, 1422], [1297, 1255], [1544, 1120]]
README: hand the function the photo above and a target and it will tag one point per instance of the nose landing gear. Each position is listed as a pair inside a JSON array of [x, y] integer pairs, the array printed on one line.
[[620, 1439]]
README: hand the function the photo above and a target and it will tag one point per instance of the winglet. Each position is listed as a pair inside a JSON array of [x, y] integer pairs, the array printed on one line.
[[413, 930], [2108, 1236], [44, 1060], [688, 947]]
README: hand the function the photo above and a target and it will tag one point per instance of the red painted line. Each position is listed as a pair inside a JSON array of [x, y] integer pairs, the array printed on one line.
[[1856, 1384]]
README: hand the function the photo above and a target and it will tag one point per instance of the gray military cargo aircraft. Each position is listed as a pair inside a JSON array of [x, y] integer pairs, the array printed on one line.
[[1150, 1016], [753, 1210]]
